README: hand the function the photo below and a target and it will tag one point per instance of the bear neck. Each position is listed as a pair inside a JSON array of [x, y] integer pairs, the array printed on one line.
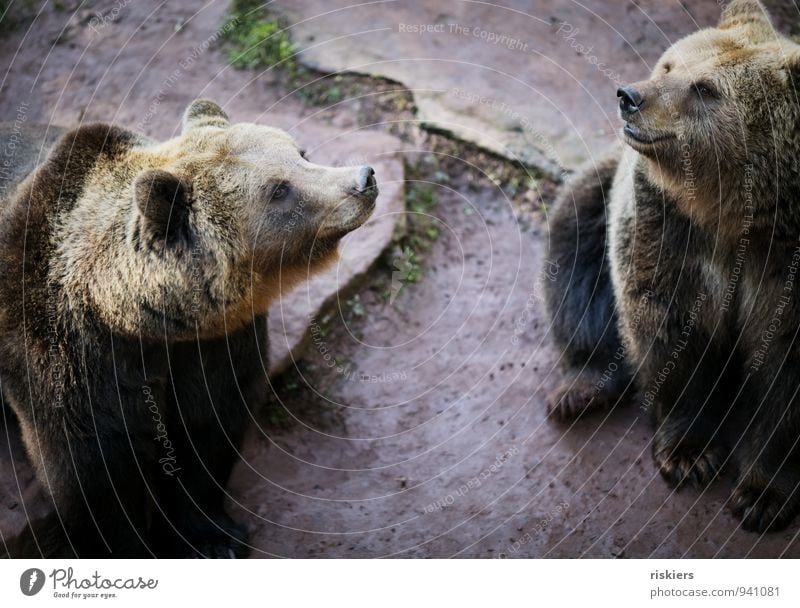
[[747, 196]]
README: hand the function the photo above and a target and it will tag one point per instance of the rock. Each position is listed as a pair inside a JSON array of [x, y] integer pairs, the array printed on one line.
[[291, 316], [534, 83]]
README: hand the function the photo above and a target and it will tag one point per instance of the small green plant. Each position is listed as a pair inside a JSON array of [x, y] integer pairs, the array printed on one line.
[[355, 306], [422, 230], [409, 266], [256, 38]]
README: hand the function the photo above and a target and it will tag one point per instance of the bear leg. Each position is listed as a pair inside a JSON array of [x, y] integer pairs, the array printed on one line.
[[579, 297], [767, 492], [99, 489]]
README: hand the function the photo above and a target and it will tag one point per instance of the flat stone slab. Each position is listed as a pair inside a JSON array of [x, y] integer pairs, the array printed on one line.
[[534, 81]]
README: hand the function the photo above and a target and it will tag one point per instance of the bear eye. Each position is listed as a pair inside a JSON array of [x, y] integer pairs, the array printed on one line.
[[706, 90], [667, 68], [278, 192]]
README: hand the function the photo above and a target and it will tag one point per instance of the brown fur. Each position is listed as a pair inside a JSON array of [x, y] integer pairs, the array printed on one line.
[[703, 229], [135, 278]]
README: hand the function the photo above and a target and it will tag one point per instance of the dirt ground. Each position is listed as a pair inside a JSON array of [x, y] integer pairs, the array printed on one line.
[[415, 424]]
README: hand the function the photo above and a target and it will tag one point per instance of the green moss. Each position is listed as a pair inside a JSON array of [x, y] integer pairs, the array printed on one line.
[[407, 259], [257, 39]]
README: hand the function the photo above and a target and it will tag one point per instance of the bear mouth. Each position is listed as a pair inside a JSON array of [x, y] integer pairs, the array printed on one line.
[[352, 213], [634, 135]]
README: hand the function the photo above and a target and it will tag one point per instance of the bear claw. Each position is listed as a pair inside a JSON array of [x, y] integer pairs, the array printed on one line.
[[570, 402], [696, 468], [760, 510]]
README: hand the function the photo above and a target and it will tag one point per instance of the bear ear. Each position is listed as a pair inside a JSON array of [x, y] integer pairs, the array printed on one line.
[[744, 12], [163, 202], [204, 113]]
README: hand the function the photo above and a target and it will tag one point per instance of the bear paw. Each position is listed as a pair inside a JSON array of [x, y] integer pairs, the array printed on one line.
[[220, 538], [202, 535], [570, 401], [762, 509], [684, 465]]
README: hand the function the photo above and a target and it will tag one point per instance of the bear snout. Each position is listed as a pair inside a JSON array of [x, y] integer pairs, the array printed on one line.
[[630, 101], [365, 182]]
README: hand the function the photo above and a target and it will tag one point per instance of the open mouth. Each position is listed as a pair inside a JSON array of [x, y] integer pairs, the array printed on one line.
[[634, 133]]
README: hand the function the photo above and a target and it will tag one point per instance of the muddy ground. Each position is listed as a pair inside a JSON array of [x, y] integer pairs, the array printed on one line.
[[415, 424]]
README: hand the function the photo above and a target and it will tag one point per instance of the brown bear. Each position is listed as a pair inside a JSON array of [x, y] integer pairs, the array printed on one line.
[[685, 284], [135, 278]]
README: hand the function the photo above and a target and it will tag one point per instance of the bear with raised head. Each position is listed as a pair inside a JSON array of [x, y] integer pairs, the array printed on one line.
[[135, 278], [679, 265]]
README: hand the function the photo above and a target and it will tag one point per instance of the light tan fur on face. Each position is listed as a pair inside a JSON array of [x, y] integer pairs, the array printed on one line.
[[241, 259], [748, 66]]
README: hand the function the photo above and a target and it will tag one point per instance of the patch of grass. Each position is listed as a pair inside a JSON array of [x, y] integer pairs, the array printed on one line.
[[406, 259], [409, 266], [257, 38], [354, 306], [422, 229]]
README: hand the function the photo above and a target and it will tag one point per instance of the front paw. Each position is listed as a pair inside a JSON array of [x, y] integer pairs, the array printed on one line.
[[220, 538], [211, 535], [570, 401], [682, 463], [763, 507]]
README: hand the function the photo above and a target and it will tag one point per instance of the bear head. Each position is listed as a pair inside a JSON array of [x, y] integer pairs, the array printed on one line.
[[717, 102], [197, 235]]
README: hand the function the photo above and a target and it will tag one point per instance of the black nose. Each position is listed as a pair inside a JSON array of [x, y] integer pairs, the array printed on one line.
[[366, 179], [630, 101]]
